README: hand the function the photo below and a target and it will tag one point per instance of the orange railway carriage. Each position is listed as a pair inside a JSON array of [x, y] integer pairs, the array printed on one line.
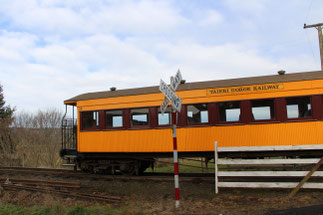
[[124, 129]]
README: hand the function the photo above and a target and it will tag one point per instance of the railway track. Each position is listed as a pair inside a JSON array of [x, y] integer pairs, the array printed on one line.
[[65, 188], [37, 182], [152, 176], [96, 197], [80, 175], [35, 168]]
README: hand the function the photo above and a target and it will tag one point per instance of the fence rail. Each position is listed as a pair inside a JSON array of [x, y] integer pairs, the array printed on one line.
[[266, 173]]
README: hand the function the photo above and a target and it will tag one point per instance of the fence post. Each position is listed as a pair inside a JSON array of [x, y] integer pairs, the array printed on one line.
[[216, 180], [309, 174]]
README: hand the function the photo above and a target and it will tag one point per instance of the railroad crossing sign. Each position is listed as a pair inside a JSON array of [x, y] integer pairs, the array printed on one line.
[[170, 95], [175, 81]]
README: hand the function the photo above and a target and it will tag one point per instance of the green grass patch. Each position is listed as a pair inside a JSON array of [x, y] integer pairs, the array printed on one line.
[[59, 210], [12, 210], [79, 210], [185, 166]]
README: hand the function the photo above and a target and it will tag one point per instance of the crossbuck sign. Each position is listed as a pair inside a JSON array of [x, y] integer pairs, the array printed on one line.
[[170, 95]]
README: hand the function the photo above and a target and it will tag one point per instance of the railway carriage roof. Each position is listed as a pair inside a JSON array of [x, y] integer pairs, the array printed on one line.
[[303, 76]]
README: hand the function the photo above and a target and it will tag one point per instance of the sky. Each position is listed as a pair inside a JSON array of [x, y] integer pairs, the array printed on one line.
[[53, 50]]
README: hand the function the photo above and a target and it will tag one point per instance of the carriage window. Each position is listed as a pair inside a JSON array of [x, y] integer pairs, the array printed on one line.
[[299, 107], [263, 109], [139, 116], [166, 118], [229, 111], [113, 118], [197, 113], [90, 119]]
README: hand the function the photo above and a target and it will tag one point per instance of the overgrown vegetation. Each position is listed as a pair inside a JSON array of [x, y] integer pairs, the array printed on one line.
[[37, 137], [29, 139], [7, 144]]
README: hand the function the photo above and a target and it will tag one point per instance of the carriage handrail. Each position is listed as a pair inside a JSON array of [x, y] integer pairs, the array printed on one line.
[[68, 132]]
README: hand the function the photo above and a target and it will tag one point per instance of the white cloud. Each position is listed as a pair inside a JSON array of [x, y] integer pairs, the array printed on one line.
[[53, 50], [202, 63], [212, 17], [68, 19], [141, 17], [254, 6], [64, 69]]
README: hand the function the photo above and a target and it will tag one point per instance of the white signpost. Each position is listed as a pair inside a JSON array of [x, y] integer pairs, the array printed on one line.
[[175, 81], [170, 96], [164, 105]]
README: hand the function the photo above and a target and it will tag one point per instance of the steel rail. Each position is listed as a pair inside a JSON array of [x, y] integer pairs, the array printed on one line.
[[36, 168], [80, 175], [112, 199], [153, 176], [65, 184]]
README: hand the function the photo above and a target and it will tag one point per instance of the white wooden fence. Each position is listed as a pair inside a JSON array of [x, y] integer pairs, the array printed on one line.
[[263, 174]]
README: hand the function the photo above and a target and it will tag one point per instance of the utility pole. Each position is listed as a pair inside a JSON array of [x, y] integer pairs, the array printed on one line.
[[319, 29]]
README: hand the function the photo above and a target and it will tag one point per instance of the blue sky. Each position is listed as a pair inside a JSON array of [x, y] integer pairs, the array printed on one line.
[[56, 49]]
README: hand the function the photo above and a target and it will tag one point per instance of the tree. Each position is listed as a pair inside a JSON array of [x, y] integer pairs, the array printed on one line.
[[6, 112], [37, 138], [7, 146]]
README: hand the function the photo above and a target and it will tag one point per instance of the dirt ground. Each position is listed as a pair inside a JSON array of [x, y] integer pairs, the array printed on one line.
[[151, 197]]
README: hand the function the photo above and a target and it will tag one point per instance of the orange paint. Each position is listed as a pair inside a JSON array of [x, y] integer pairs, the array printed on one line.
[[202, 138]]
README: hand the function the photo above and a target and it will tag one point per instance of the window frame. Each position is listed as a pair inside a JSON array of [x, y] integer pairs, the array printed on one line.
[[170, 117], [198, 123], [300, 119], [213, 111], [274, 110], [140, 126], [97, 128], [317, 108], [114, 128], [219, 122]]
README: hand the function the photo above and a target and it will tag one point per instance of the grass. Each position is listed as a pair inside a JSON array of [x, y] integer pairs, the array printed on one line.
[[12, 210], [58, 210], [185, 166]]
